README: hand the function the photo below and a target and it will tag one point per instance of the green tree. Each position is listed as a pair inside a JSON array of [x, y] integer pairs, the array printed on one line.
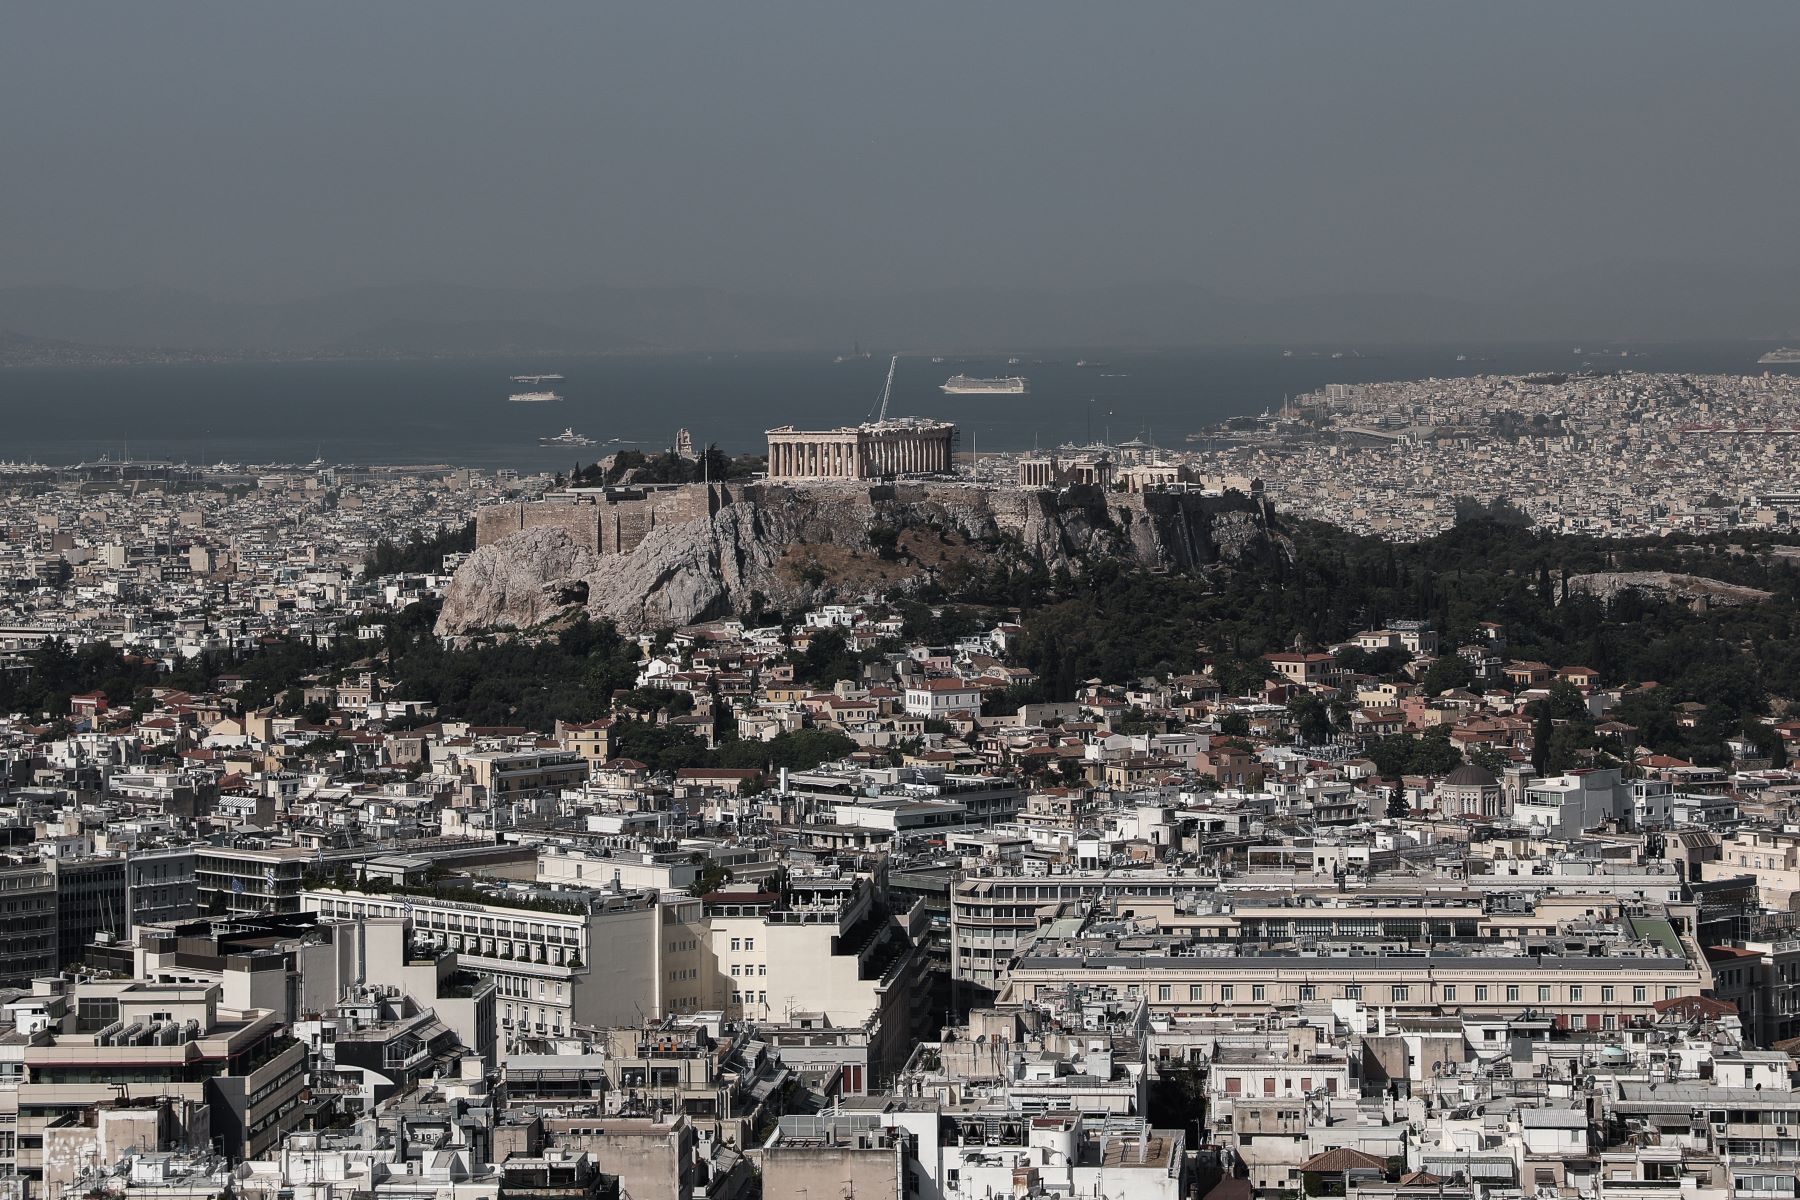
[[1447, 671], [827, 660]]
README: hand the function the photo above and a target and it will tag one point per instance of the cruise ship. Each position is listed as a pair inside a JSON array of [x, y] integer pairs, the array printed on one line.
[[533, 397], [969, 385], [1787, 354], [568, 437]]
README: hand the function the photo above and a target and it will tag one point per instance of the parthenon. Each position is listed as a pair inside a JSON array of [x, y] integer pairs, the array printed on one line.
[[907, 446]]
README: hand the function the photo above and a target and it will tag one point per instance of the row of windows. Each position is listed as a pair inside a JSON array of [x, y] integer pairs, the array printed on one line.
[[472, 924], [749, 943], [513, 985], [553, 1025], [759, 969], [1401, 993]]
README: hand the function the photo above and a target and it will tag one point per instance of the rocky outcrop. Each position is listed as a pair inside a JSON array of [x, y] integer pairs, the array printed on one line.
[[521, 581], [1696, 590], [785, 547]]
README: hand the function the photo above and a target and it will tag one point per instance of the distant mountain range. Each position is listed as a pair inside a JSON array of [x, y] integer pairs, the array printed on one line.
[[1644, 302]]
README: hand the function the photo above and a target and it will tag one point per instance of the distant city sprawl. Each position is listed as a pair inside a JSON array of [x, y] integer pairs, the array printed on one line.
[[1617, 455]]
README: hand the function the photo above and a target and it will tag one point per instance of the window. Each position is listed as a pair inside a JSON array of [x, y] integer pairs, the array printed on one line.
[[1308, 992], [1543, 993], [737, 943], [1227, 992], [1669, 993], [1164, 991], [1258, 992], [734, 970], [1195, 991], [1450, 994], [1481, 992], [1606, 993], [1512, 993], [762, 968], [93, 1013], [1353, 991], [1399, 993], [749, 943], [1638, 995], [1575, 993]]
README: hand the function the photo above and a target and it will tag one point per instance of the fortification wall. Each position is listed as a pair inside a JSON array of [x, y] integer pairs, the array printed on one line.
[[603, 523]]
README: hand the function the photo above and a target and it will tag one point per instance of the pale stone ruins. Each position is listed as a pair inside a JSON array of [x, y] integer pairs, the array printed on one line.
[[907, 446]]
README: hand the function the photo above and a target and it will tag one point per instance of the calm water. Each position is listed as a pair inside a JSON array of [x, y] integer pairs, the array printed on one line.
[[457, 411]]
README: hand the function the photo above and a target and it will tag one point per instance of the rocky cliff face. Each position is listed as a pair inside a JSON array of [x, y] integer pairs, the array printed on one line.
[[1696, 590], [787, 547]]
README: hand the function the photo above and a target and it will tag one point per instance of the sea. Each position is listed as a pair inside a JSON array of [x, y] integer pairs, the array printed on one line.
[[456, 411]]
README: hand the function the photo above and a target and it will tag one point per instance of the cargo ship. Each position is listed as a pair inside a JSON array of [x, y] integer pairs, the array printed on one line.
[[969, 385]]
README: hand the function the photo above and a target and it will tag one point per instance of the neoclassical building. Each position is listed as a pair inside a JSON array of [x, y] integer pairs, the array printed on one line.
[[905, 446]]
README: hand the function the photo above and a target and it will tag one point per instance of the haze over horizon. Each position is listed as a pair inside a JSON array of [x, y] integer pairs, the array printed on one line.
[[797, 174]]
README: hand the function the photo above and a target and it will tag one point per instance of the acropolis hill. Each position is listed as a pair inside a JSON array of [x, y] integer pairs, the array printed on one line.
[[650, 557]]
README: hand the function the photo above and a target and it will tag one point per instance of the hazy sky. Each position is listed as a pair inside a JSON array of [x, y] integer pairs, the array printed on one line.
[[271, 150]]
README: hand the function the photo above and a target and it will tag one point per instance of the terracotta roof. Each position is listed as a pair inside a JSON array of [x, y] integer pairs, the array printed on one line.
[[1696, 1007], [1342, 1159]]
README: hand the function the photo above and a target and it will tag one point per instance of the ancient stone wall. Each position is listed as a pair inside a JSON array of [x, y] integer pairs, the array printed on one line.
[[603, 522]]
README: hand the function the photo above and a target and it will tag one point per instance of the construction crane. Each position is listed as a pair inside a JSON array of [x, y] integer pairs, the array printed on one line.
[[887, 389]]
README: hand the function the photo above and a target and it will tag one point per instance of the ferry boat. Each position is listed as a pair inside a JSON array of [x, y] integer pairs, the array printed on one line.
[[533, 397], [568, 437], [969, 385]]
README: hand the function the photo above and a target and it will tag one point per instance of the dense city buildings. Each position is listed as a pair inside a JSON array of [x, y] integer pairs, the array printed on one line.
[[1392, 891]]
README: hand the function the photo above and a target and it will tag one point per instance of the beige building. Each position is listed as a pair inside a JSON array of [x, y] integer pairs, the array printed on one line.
[[169, 1040], [1770, 856], [1178, 977], [540, 947], [831, 956], [508, 774]]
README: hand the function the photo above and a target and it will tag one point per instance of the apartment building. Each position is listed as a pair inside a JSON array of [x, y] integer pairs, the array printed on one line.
[[160, 886], [28, 928], [558, 957], [828, 954], [509, 775], [1769, 856], [248, 881], [90, 899], [90, 1037], [1572, 987]]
